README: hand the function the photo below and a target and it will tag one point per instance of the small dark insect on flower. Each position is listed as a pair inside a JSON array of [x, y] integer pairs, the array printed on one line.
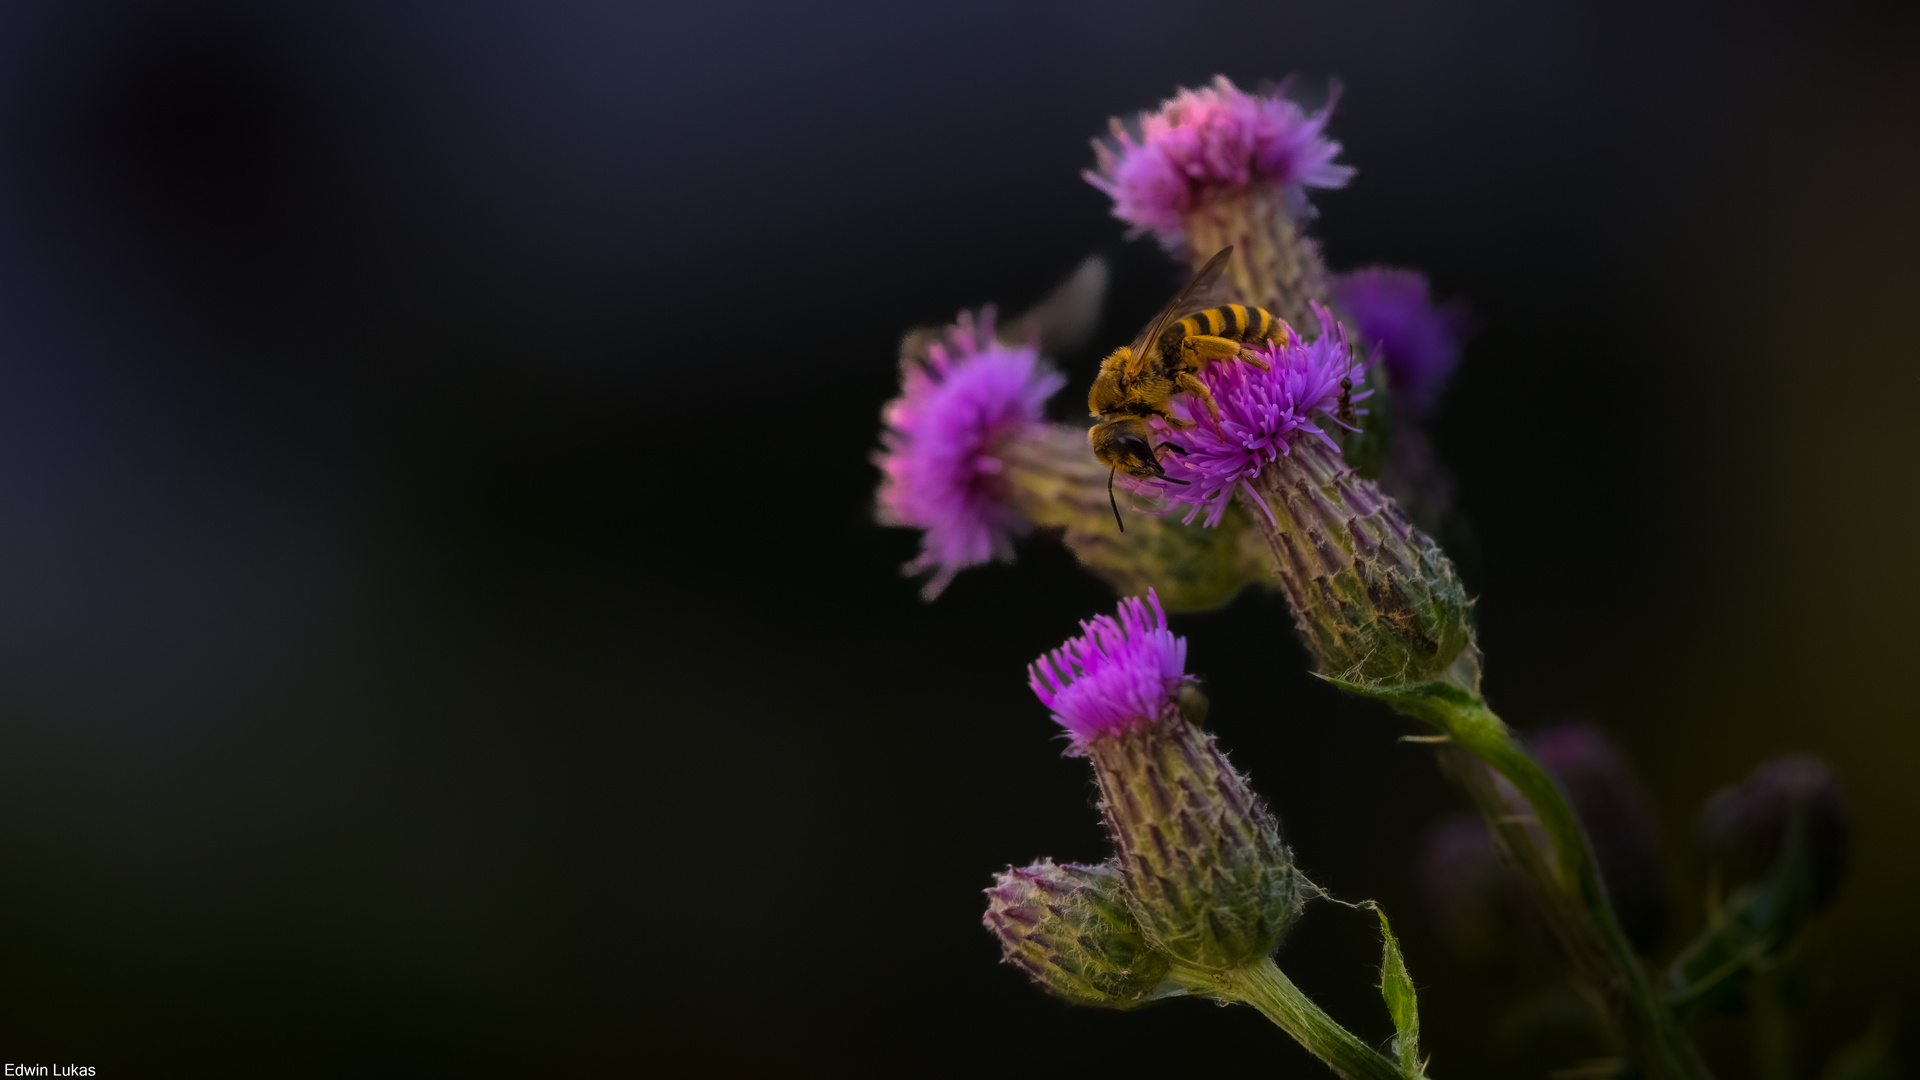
[[1139, 381]]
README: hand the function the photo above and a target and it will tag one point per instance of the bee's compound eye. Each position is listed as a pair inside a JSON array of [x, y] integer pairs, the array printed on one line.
[[1137, 453]]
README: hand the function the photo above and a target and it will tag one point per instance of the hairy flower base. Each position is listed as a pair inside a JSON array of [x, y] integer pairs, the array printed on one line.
[[1275, 265], [1374, 597], [1207, 874], [1067, 926], [1055, 483]]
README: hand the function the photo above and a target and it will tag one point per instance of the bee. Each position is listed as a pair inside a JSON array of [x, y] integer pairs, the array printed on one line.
[[1139, 380]]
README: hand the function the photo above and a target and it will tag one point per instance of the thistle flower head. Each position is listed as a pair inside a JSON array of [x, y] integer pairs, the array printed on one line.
[[1067, 926], [1214, 141], [1417, 340], [1126, 669], [1376, 600], [1262, 414], [943, 442]]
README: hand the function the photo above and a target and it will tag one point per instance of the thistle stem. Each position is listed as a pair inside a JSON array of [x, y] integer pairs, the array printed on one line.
[[1567, 878], [1267, 989]]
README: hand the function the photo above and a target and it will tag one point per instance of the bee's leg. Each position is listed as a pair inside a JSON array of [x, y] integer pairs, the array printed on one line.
[[1185, 381], [1254, 358], [1175, 422], [1199, 350]]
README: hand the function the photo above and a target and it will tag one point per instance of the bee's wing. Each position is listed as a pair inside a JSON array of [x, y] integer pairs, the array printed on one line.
[[1199, 292], [1068, 314]]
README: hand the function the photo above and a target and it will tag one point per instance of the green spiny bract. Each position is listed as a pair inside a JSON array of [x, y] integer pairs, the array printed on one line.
[[1375, 598], [1208, 877], [1068, 927]]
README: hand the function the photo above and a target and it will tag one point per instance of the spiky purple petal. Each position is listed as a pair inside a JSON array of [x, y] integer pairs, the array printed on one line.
[[1262, 413], [1215, 140], [1124, 670], [1417, 340], [943, 442]]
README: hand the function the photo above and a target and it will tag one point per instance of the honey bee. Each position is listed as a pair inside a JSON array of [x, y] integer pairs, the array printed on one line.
[[1139, 380]]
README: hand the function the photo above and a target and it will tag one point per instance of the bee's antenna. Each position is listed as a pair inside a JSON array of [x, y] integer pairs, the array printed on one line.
[[1115, 502]]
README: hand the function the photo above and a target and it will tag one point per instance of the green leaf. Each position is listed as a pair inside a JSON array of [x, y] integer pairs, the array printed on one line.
[[1396, 986]]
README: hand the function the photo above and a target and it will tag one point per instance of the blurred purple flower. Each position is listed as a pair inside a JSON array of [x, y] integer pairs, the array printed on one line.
[[1479, 905], [1124, 670], [1261, 412], [1740, 830], [943, 440], [1418, 340], [1212, 141], [1620, 823]]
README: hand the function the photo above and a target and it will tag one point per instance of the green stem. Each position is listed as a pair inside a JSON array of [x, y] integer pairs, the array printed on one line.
[[1264, 987], [1576, 900]]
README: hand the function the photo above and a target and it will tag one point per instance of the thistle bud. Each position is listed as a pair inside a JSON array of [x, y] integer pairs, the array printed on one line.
[[1776, 846], [1374, 597], [1208, 877], [1476, 902], [1741, 831], [1618, 818], [1067, 926]]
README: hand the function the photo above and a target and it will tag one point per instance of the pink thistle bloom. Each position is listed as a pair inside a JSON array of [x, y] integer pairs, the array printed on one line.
[[943, 445], [1417, 340], [1261, 414], [1209, 142], [1124, 670]]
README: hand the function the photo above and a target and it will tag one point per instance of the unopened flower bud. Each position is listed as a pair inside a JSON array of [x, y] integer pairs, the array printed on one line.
[[1619, 822], [1775, 847], [1480, 906], [1741, 831], [1374, 597], [1067, 926], [1208, 877]]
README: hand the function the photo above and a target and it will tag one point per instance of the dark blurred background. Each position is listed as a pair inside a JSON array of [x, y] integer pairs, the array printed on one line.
[[441, 629]]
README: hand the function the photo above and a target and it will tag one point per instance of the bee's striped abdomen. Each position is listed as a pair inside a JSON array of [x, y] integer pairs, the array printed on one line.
[[1235, 322]]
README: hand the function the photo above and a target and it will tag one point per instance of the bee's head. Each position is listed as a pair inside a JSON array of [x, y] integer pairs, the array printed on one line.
[[1126, 444]]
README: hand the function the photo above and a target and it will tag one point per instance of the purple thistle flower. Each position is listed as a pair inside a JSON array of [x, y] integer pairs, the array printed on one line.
[[1212, 141], [944, 439], [1123, 671], [1261, 413], [1418, 340]]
